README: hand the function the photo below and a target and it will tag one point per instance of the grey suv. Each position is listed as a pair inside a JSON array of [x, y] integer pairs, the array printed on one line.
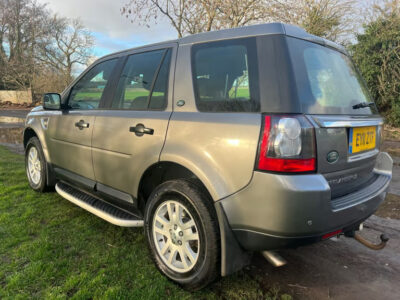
[[219, 144]]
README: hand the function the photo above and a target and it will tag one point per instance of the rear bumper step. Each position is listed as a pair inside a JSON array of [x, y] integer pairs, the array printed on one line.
[[97, 207], [378, 186]]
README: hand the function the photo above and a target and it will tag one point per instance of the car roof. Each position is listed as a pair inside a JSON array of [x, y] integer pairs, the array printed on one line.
[[242, 32]]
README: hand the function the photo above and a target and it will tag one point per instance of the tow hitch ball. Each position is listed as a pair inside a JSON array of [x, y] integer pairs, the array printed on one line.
[[366, 243]]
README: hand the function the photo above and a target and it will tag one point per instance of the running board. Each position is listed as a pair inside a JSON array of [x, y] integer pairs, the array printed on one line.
[[97, 207]]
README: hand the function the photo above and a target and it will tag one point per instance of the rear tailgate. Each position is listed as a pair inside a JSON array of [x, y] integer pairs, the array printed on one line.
[[347, 148]]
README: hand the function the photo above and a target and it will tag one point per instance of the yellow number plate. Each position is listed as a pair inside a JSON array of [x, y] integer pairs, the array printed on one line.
[[362, 139]]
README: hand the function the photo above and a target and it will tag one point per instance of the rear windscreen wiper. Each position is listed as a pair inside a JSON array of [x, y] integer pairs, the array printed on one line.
[[364, 104]]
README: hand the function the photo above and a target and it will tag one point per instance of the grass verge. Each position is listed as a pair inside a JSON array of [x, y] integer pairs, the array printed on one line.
[[50, 248]]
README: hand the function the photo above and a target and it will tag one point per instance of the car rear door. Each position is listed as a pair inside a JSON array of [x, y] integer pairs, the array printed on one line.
[[347, 126], [129, 135], [347, 151], [70, 130]]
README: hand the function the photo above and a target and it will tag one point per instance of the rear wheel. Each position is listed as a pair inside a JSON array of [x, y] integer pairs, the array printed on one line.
[[35, 165], [182, 233]]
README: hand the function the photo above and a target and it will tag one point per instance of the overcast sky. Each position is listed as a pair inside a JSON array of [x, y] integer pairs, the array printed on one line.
[[111, 30]]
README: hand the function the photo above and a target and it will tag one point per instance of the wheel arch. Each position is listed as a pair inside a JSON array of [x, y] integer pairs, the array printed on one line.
[[30, 132], [163, 171], [233, 257]]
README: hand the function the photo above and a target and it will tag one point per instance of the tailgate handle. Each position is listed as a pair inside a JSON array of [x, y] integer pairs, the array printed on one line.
[[140, 130]]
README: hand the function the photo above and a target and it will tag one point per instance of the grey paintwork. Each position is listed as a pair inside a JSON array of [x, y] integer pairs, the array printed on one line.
[[293, 206], [116, 151], [70, 147], [119, 156], [219, 148]]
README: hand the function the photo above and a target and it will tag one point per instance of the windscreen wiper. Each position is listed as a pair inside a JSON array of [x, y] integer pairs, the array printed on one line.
[[364, 104]]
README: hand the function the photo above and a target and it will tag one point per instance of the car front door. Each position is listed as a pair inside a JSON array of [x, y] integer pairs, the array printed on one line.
[[70, 130], [129, 136]]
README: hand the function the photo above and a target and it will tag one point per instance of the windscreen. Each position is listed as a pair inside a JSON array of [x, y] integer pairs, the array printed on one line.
[[327, 80]]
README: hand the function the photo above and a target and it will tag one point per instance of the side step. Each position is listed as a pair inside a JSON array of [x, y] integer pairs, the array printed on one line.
[[97, 207]]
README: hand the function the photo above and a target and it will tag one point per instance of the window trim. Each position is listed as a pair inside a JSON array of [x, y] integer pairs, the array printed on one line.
[[107, 88], [253, 84], [121, 69]]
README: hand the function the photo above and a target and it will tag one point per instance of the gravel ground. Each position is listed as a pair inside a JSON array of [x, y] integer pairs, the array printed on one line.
[[339, 268]]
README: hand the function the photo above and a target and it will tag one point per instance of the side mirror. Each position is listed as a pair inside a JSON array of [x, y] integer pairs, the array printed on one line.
[[52, 101]]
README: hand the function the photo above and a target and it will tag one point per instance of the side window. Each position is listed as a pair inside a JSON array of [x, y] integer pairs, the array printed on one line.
[[87, 92], [225, 76], [159, 94], [143, 82]]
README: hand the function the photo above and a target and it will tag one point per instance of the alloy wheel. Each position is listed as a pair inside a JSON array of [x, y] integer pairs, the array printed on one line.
[[176, 236], [34, 165]]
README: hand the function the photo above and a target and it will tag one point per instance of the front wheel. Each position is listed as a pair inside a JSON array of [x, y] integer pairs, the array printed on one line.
[[35, 165], [182, 233]]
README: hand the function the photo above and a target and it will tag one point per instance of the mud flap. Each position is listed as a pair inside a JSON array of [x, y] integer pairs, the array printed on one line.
[[233, 256], [51, 178]]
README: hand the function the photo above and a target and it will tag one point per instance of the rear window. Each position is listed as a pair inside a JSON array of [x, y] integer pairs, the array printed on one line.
[[225, 76], [143, 82], [327, 80]]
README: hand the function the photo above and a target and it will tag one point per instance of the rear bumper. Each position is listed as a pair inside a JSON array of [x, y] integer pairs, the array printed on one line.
[[277, 211]]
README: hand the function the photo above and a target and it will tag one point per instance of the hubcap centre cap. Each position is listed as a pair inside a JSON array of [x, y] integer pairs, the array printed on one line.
[[176, 235]]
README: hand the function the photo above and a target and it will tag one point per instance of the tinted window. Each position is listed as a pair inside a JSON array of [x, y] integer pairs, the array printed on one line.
[[139, 76], [326, 79], [88, 91], [159, 93], [225, 76]]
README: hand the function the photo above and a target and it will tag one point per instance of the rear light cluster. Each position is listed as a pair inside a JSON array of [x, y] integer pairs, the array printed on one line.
[[287, 145]]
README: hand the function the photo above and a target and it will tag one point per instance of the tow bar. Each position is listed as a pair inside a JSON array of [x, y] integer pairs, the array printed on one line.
[[366, 243], [370, 245]]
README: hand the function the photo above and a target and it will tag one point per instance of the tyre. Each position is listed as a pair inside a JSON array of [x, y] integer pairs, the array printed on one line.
[[182, 233], [35, 165]]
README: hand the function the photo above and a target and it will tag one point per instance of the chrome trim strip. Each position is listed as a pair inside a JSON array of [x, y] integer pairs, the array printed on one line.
[[99, 213], [362, 155], [346, 121], [330, 124]]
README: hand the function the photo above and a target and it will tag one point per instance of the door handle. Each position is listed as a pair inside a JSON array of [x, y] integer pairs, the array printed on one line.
[[140, 130], [81, 124]]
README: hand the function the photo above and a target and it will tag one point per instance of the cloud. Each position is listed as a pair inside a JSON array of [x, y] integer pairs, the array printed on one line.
[[112, 31]]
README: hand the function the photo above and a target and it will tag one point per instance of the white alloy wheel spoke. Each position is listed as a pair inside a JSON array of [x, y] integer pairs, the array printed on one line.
[[165, 248], [161, 231], [175, 232], [192, 237], [162, 221], [172, 256], [183, 258], [188, 225], [170, 213], [189, 253], [34, 166]]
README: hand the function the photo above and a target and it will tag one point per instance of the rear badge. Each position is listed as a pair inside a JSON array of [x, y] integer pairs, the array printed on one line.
[[332, 157]]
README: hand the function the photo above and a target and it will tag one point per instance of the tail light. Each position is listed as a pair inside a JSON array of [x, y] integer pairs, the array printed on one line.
[[287, 145]]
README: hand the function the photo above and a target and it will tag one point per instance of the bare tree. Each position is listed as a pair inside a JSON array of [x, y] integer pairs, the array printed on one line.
[[70, 45], [20, 27], [236, 13], [35, 45], [190, 16], [332, 19], [385, 9]]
